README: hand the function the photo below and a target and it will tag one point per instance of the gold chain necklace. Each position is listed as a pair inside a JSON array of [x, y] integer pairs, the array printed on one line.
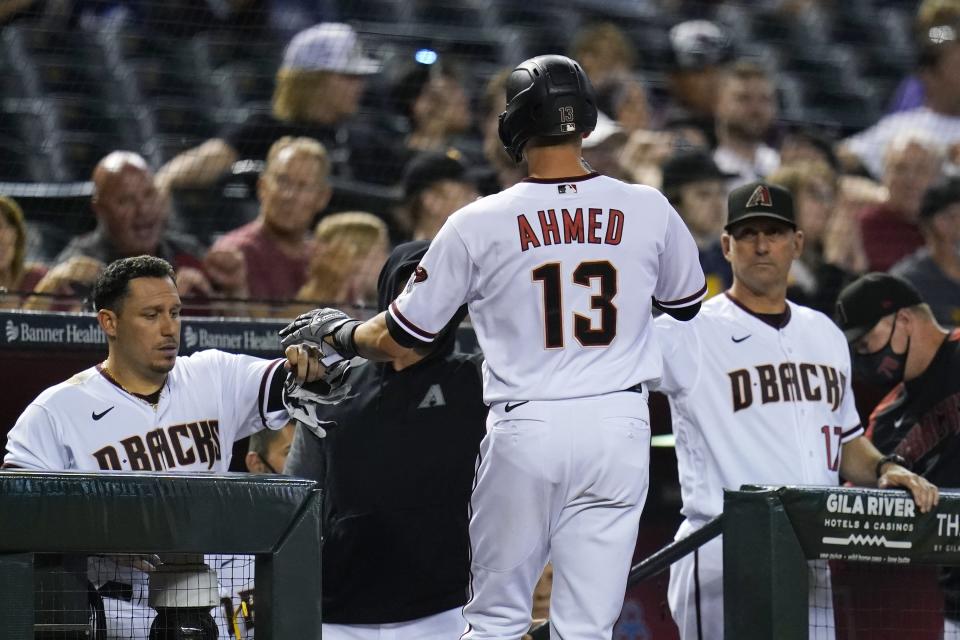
[[139, 396]]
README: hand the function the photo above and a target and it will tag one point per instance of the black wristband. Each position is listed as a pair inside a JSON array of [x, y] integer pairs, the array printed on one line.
[[343, 340], [891, 457]]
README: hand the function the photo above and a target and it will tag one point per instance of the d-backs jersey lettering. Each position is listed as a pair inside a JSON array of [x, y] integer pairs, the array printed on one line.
[[558, 276], [89, 423], [753, 404]]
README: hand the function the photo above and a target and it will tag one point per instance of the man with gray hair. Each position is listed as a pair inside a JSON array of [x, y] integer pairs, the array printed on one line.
[[912, 162]]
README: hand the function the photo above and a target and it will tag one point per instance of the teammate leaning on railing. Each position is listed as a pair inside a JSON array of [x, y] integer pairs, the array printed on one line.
[[760, 393]]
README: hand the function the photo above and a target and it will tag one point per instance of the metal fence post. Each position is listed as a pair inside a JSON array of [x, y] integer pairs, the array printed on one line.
[[764, 569]]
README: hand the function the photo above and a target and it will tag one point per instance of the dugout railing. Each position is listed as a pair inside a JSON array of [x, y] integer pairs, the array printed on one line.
[[772, 534], [276, 519]]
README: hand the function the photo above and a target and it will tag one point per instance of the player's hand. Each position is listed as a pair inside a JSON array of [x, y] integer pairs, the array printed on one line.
[[303, 361], [925, 494], [313, 326]]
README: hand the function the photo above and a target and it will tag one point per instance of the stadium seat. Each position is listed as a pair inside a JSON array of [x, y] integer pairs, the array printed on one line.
[[21, 163], [175, 118], [159, 150], [240, 83], [388, 11], [75, 154], [444, 12], [63, 75], [149, 80], [46, 40], [210, 51]]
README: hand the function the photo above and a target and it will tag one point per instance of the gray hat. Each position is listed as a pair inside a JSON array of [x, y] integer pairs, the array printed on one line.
[[329, 46]]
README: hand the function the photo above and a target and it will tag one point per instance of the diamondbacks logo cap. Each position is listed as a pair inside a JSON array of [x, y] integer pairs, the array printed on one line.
[[865, 301], [759, 200]]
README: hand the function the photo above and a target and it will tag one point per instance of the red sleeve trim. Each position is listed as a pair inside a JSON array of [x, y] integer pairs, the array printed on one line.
[[262, 395], [409, 326], [684, 301]]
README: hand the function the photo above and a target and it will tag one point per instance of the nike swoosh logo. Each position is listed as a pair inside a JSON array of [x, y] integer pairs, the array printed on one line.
[[739, 340], [97, 416], [511, 407]]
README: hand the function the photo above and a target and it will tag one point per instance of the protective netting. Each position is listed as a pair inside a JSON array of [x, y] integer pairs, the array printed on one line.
[[203, 90], [856, 600], [144, 596]]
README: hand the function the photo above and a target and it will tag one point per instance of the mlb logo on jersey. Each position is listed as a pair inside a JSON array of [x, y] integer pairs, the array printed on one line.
[[564, 189]]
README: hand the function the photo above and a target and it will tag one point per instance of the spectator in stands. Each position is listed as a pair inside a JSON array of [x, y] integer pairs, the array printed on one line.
[[505, 172], [746, 109], [397, 469], [930, 14], [350, 248], [814, 281], [804, 143], [434, 186], [277, 246], [433, 101], [896, 340], [935, 269], [607, 56], [16, 276], [698, 51], [624, 99], [131, 220], [604, 52], [939, 117], [318, 90], [912, 163], [697, 189]]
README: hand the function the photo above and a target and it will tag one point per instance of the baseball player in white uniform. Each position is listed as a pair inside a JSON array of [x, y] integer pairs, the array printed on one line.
[[145, 409], [760, 393], [559, 273]]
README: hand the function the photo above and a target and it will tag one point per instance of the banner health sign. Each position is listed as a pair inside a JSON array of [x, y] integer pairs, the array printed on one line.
[[73, 332]]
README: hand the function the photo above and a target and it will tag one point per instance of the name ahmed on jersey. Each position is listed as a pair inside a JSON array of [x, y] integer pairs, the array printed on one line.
[[570, 226]]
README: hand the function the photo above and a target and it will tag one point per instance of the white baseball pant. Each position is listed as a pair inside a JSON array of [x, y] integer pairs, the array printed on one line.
[[563, 480], [695, 593], [447, 625]]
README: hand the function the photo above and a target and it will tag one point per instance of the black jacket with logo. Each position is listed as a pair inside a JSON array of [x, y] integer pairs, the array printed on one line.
[[397, 472], [920, 420]]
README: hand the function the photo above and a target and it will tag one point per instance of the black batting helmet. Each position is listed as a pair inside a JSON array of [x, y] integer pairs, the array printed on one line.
[[546, 96]]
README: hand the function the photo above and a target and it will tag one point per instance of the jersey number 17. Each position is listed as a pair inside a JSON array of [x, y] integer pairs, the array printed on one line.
[[588, 335]]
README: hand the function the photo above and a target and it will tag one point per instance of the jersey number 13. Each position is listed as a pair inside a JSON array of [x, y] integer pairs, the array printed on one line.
[[588, 335]]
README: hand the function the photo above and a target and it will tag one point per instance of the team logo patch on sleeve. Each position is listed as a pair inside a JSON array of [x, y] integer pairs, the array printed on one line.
[[759, 198], [420, 274]]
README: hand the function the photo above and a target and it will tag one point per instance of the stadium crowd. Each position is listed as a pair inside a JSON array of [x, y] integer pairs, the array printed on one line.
[[878, 197]]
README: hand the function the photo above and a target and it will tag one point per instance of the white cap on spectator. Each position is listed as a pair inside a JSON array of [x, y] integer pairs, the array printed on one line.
[[329, 46], [607, 129]]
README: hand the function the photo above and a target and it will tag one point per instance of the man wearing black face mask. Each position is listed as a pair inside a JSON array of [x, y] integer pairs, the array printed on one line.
[[896, 341]]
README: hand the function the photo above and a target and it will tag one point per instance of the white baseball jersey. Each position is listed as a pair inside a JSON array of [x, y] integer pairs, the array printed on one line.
[[89, 423], [755, 404], [558, 276]]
